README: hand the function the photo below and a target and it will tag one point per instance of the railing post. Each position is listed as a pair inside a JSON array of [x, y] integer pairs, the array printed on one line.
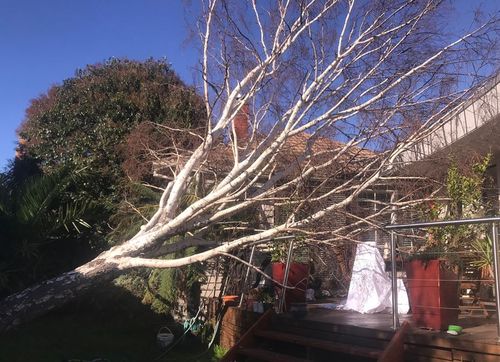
[[494, 235], [285, 277], [250, 260], [394, 278]]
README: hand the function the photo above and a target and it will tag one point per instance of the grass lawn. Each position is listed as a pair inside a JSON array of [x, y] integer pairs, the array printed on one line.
[[115, 327]]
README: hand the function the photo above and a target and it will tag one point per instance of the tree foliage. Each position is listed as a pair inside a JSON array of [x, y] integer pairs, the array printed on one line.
[[85, 121]]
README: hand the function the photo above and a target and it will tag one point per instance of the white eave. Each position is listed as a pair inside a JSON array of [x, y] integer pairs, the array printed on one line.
[[473, 128]]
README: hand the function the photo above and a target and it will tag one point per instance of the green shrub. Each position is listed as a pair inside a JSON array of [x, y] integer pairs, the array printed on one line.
[[218, 353]]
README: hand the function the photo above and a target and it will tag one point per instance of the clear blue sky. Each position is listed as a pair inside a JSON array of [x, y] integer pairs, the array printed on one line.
[[43, 42]]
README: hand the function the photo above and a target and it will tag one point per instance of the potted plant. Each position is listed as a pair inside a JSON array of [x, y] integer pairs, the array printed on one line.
[[298, 273], [267, 299], [433, 293], [434, 271], [483, 252]]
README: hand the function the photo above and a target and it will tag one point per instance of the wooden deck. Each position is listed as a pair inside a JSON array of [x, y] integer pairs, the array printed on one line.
[[278, 338], [478, 342]]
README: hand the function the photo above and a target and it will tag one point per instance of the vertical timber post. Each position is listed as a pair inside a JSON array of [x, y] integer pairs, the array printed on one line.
[[494, 235], [394, 278]]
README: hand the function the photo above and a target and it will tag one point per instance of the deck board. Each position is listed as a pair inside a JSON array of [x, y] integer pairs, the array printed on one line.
[[478, 341], [321, 344]]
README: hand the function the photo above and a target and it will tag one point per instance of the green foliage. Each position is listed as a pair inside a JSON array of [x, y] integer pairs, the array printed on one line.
[[464, 200], [106, 323], [465, 190], [90, 137], [163, 288], [161, 293], [44, 227], [279, 250], [218, 353], [127, 220], [83, 120], [133, 282], [483, 248]]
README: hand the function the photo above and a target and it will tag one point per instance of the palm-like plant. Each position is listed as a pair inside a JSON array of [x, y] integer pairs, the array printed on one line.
[[41, 223], [483, 249]]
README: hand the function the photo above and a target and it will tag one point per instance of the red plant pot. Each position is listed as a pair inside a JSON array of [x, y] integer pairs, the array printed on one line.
[[298, 275], [433, 294]]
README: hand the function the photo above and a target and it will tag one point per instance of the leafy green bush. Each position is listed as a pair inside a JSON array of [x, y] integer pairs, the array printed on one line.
[[218, 353]]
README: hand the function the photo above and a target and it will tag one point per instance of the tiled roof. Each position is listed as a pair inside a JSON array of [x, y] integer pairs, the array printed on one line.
[[323, 149]]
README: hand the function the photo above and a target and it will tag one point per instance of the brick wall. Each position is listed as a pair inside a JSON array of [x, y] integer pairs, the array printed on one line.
[[235, 323]]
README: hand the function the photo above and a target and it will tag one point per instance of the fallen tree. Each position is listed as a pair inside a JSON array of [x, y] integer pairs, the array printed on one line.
[[372, 79]]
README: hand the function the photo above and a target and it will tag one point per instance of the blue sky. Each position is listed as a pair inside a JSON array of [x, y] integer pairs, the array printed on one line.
[[44, 42]]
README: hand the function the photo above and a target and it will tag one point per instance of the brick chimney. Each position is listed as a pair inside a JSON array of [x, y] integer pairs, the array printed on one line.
[[241, 124]]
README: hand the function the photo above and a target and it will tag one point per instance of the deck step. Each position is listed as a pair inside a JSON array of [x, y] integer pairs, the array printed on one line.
[[330, 346], [269, 356]]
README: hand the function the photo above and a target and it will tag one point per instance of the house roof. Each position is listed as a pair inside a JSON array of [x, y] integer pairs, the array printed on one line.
[[322, 149]]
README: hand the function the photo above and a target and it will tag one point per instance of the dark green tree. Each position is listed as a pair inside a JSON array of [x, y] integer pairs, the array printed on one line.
[[105, 119]]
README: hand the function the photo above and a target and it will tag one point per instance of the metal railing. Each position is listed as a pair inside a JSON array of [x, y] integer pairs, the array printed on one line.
[[423, 225], [287, 270]]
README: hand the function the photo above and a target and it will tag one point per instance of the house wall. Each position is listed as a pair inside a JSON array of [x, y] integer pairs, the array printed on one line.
[[332, 263]]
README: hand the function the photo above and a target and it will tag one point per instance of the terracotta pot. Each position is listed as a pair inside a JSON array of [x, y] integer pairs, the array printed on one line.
[[433, 294], [297, 277], [230, 300]]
